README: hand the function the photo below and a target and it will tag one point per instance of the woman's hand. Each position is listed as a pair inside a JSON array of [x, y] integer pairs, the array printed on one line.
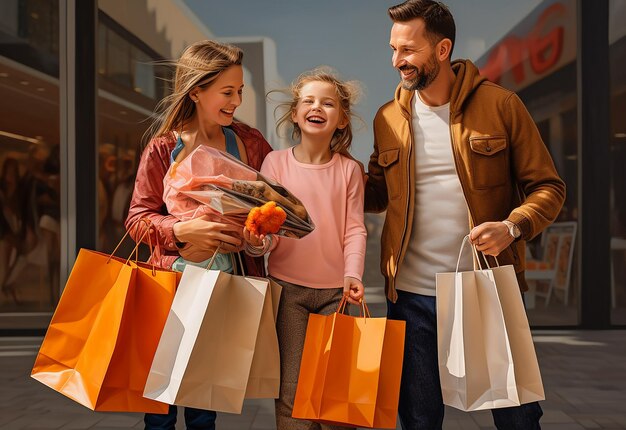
[[353, 290], [195, 254], [207, 235]]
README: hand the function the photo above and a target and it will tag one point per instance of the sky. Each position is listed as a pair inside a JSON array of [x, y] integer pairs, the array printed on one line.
[[352, 36]]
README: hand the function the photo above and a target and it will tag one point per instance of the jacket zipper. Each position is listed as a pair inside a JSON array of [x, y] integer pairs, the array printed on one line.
[[406, 217], [456, 168]]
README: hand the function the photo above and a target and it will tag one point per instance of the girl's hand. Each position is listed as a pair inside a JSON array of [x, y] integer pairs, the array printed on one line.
[[353, 290], [207, 235], [252, 238]]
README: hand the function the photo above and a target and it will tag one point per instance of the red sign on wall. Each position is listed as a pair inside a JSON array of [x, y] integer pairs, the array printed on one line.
[[539, 45]]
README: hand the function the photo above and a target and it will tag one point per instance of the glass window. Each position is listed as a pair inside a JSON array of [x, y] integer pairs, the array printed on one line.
[[127, 93], [143, 74], [118, 59], [29, 33], [617, 61], [127, 66], [29, 157], [8, 18], [40, 24]]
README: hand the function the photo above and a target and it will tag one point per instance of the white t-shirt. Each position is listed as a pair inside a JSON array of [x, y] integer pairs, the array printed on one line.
[[440, 218]]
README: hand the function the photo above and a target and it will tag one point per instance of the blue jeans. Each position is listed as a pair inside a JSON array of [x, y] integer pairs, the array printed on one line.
[[421, 404], [195, 419]]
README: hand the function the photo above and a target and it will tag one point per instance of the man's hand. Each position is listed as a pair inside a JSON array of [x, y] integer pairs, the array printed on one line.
[[353, 290], [491, 238]]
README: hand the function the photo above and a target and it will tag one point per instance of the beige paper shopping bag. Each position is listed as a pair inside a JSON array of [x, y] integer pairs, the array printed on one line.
[[486, 356], [205, 353], [527, 375], [264, 380]]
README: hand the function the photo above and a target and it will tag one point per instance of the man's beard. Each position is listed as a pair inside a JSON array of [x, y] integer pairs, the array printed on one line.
[[423, 78]]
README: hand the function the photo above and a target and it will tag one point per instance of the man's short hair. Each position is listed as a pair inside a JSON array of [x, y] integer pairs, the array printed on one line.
[[436, 15]]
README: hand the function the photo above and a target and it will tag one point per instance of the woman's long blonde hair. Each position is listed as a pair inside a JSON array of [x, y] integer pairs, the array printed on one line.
[[348, 93], [198, 66]]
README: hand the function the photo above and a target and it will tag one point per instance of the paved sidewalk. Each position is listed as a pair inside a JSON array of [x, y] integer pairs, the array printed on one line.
[[584, 376]]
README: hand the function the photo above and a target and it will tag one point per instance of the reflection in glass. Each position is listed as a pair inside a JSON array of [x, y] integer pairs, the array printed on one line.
[[29, 156], [129, 86]]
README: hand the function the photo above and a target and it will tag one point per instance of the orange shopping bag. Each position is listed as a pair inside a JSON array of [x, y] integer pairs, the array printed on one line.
[[100, 343], [350, 370]]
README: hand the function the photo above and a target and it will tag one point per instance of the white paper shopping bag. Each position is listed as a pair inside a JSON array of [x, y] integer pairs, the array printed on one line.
[[205, 353], [486, 355]]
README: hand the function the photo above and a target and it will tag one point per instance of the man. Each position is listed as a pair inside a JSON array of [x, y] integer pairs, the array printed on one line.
[[453, 154]]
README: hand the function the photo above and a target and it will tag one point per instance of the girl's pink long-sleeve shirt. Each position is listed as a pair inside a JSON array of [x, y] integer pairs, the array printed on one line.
[[332, 193]]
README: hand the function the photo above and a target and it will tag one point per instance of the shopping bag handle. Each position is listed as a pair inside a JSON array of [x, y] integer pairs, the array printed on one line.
[[364, 311], [243, 270], [214, 255], [466, 239], [217, 250], [135, 250]]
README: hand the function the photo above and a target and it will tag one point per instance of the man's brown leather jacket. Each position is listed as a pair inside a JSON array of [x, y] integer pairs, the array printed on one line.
[[505, 169]]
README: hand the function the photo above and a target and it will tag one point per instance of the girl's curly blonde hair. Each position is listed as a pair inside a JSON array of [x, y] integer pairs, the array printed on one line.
[[348, 93]]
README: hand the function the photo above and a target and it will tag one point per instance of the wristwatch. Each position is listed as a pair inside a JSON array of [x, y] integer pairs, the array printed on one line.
[[514, 230]]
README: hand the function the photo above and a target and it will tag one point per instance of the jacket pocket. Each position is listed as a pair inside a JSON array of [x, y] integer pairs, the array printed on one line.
[[388, 160], [489, 161]]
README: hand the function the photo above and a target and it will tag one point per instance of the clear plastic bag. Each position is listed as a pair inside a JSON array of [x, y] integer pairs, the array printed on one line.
[[212, 182]]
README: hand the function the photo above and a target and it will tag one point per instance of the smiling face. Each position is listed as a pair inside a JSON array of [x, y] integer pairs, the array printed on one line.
[[217, 102], [414, 55], [318, 112]]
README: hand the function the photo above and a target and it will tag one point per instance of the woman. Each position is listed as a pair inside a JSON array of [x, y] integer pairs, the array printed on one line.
[[207, 91]]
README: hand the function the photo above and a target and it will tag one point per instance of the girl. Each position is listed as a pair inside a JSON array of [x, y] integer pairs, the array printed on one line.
[[207, 90], [317, 270]]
